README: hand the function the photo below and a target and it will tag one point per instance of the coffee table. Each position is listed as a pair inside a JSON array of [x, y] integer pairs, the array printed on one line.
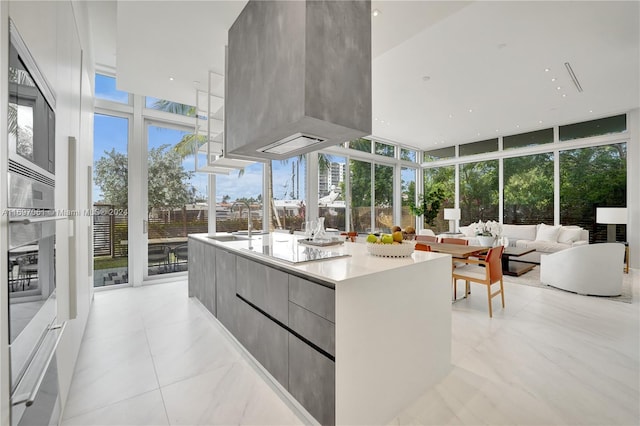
[[515, 268]]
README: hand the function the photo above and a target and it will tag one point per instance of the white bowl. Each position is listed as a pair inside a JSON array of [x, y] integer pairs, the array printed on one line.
[[403, 249]]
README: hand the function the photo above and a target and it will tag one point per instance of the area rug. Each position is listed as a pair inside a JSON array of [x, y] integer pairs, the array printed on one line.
[[532, 278]]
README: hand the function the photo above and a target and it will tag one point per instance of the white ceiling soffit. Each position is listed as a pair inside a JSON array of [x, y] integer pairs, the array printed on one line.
[[182, 40], [490, 58]]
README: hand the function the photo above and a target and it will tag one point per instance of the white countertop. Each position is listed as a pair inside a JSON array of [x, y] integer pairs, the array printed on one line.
[[358, 263]]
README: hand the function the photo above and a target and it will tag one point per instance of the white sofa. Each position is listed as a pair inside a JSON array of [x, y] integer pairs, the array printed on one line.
[[543, 238], [594, 269]]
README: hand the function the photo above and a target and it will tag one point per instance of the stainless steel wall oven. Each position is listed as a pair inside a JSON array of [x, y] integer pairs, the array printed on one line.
[[34, 331]]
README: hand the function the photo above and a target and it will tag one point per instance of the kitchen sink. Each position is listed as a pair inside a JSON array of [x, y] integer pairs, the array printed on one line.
[[226, 238]]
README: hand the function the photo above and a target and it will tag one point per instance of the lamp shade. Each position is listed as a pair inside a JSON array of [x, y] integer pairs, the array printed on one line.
[[451, 214], [611, 215]]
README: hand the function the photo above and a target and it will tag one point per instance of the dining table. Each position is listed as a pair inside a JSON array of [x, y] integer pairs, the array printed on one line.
[[458, 250]]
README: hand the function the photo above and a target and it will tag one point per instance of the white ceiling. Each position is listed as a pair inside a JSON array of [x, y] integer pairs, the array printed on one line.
[[485, 56]]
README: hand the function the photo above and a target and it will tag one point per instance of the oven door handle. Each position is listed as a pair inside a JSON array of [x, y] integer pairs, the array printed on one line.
[[29, 398], [28, 220]]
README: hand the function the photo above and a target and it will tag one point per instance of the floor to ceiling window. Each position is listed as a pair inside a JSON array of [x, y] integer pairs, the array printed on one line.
[[110, 200], [288, 183], [331, 190], [479, 191], [408, 184], [238, 197], [176, 200], [383, 206], [443, 179], [589, 178], [360, 202], [528, 189]]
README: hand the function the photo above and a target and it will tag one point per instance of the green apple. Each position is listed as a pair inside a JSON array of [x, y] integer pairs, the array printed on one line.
[[372, 238], [386, 239]]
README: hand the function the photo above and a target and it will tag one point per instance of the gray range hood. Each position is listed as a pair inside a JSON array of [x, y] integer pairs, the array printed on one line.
[[298, 77]]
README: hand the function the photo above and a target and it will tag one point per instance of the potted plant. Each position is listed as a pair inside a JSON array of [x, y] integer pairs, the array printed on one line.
[[428, 204], [488, 232]]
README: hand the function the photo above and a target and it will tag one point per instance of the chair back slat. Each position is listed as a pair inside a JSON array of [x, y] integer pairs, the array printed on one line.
[[459, 241], [427, 238], [423, 247]]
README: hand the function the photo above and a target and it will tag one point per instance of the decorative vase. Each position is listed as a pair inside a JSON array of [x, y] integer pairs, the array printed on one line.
[[486, 241], [320, 233]]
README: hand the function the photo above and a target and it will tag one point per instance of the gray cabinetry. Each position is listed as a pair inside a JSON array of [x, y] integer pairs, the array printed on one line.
[[265, 287], [202, 282], [226, 299], [313, 328], [196, 257], [313, 297], [312, 380], [265, 340], [287, 323]]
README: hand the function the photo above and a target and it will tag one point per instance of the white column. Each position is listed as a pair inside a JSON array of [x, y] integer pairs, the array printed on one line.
[[138, 176]]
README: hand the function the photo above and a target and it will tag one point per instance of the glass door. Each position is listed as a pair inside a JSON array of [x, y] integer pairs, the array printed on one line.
[[110, 195], [176, 199]]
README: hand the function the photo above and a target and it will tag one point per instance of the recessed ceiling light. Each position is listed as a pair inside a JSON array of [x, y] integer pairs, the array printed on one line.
[[558, 88], [547, 69], [375, 12], [564, 95], [450, 115], [517, 126], [382, 121], [470, 110], [478, 133], [540, 122], [553, 79], [170, 78], [590, 110], [497, 130], [376, 119]]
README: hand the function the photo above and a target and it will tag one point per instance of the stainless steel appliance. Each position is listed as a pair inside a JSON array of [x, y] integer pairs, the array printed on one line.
[[33, 327]]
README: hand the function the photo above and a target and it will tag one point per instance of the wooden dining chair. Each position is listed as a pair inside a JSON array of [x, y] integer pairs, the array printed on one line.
[[427, 238], [459, 241], [493, 275], [422, 247]]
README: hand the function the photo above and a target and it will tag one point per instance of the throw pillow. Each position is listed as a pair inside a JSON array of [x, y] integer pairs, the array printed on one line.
[[468, 231], [547, 233], [568, 235]]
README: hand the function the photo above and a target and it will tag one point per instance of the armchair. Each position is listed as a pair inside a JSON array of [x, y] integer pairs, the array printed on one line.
[[593, 269]]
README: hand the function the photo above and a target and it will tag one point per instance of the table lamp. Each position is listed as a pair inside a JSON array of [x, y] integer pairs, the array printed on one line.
[[452, 215], [611, 216]]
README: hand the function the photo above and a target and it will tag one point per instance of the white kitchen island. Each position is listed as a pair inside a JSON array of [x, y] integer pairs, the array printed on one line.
[[381, 327]]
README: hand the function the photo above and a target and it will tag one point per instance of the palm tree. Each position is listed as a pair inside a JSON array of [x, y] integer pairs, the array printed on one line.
[[190, 142]]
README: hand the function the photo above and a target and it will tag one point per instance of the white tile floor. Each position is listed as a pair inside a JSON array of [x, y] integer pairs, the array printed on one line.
[[151, 356]]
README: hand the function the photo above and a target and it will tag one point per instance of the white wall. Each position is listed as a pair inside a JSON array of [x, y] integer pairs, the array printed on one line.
[[4, 242], [56, 33], [633, 186]]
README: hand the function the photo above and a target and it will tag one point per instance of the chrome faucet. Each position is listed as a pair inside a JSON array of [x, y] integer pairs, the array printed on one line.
[[246, 203]]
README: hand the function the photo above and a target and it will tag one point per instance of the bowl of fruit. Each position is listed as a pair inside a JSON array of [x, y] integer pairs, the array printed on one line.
[[389, 245]]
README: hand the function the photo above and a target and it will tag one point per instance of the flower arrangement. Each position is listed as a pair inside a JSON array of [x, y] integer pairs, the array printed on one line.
[[490, 228]]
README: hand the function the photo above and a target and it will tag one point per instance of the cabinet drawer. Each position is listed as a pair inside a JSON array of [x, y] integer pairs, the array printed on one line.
[[313, 297], [313, 327], [264, 339], [312, 380], [265, 287]]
